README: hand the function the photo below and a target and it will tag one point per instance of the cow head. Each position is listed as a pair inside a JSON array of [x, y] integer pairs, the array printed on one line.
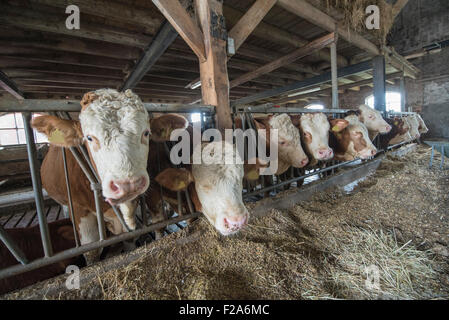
[[290, 151], [413, 125], [354, 141], [116, 130], [314, 128], [402, 131], [218, 187], [422, 126], [373, 120]]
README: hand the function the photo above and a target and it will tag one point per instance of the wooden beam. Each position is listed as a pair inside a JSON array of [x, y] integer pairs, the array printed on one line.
[[313, 46], [183, 23], [112, 10], [32, 20], [249, 21], [328, 91], [9, 85], [279, 35], [323, 78], [322, 20], [160, 43], [214, 71], [398, 6]]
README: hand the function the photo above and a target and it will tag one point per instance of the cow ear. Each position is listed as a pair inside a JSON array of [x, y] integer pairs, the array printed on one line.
[[87, 99], [175, 179], [338, 125], [259, 125], [162, 127], [296, 120], [59, 132], [252, 168]]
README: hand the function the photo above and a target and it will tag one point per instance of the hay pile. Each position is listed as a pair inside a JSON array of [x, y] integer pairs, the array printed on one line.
[[396, 220], [355, 16]]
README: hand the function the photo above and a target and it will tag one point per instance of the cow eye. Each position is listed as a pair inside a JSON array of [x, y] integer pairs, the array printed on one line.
[[89, 138], [371, 116], [146, 133], [282, 143]]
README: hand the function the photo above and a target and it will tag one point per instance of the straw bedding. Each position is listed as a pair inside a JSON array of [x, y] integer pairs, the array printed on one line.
[[396, 220]]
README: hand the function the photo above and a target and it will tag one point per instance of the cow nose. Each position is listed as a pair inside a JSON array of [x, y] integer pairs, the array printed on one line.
[[123, 187], [304, 162], [235, 223], [325, 153]]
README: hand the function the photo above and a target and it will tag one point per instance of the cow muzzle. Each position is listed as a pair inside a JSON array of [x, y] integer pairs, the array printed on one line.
[[325, 154], [233, 224], [119, 191]]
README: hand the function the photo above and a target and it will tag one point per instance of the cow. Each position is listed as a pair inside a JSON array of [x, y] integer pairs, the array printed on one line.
[[372, 119], [115, 128], [413, 124], [29, 241], [398, 133], [351, 141], [215, 189], [314, 129], [290, 151], [422, 125]]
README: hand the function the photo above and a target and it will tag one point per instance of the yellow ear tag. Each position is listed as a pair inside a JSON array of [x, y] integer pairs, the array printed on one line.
[[253, 175], [181, 185], [56, 136], [336, 128], [396, 123]]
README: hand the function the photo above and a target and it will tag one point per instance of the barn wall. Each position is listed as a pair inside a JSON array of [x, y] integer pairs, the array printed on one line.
[[420, 24]]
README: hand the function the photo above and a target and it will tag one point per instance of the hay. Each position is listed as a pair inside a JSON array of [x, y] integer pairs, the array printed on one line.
[[355, 16], [404, 272], [397, 220]]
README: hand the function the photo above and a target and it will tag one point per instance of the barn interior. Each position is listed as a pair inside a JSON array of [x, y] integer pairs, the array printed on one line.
[[258, 58]]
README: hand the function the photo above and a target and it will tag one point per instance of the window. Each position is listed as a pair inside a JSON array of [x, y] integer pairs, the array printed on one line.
[[12, 131], [195, 117], [315, 106], [393, 101]]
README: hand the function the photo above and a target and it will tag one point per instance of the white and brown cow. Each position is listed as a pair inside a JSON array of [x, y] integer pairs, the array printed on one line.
[[115, 128], [413, 124], [422, 125], [314, 129], [373, 121], [351, 140], [215, 188], [290, 151]]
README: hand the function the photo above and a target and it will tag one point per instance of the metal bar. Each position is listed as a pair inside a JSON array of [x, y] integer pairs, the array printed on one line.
[[37, 185], [12, 247], [69, 195], [297, 179], [314, 81], [143, 210], [269, 108], [379, 83], [100, 218], [403, 94], [42, 105], [120, 218], [159, 44], [17, 269], [334, 72]]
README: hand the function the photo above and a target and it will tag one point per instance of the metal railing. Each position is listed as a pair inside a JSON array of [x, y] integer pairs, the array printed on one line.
[[207, 113], [62, 107]]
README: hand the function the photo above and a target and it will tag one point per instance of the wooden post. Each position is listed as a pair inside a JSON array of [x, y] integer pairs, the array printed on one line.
[[334, 71], [379, 83], [214, 71]]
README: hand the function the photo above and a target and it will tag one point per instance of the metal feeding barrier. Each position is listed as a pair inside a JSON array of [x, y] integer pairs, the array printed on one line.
[[295, 177], [62, 108], [292, 178]]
